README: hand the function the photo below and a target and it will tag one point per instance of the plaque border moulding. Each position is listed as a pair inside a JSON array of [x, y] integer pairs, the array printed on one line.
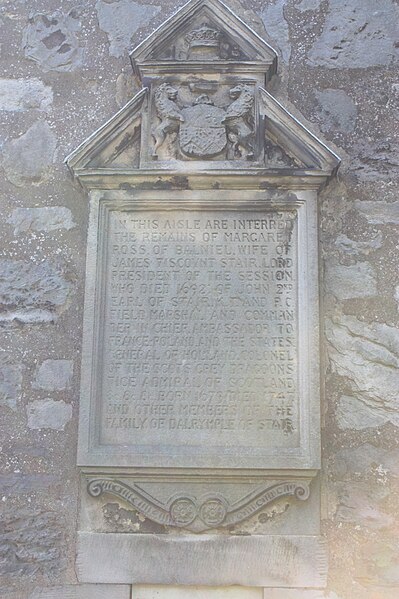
[[180, 136], [305, 458]]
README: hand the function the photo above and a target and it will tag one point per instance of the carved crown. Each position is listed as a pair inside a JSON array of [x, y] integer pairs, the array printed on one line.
[[204, 36]]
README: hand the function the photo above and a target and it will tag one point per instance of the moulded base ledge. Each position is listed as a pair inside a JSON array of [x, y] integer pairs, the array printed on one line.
[[210, 560]]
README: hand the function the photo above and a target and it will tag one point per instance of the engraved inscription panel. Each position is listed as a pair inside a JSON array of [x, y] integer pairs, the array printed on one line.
[[200, 331]]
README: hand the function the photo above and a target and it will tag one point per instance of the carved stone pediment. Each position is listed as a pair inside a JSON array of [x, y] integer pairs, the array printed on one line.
[[204, 125], [203, 107], [203, 34]]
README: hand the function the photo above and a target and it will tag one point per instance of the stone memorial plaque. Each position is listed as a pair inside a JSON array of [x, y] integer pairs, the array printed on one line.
[[198, 344], [200, 332], [200, 384]]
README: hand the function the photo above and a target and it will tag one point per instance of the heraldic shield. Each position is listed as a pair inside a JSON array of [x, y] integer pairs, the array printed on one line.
[[202, 133]]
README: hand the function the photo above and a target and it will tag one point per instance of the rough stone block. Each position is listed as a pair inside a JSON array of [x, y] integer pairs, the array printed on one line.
[[174, 592], [17, 95], [352, 281], [18, 483], [277, 27], [356, 34], [31, 293], [32, 544], [54, 375], [10, 384], [305, 5], [354, 414], [29, 157], [83, 591], [202, 560], [48, 413], [298, 594], [337, 111], [368, 357], [351, 247], [47, 218], [120, 19], [379, 213], [51, 41]]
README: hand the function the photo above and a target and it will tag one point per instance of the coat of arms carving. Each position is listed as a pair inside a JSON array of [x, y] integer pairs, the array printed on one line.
[[204, 130], [202, 134]]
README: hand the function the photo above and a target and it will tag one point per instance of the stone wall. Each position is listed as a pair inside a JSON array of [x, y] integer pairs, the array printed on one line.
[[66, 71]]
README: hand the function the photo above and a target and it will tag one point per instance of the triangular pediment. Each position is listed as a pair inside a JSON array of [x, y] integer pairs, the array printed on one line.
[[204, 31], [288, 145], [116, 144], [204, 114], [284, 131]]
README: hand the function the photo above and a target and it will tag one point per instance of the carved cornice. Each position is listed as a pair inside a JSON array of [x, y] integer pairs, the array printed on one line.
[[211, 510]]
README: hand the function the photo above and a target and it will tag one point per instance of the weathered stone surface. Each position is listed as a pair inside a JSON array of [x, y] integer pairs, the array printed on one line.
[[378, 566], [356, 34], [355, 248], [23, 94], [175, 592], [54, 375], [368, 357], [358, 503], [210, 560], [83, 591], [337, 111], [375, 160], [28, 158], [120, 19], [352, 413], [352, 281], [51, 40], [299, 594], [30, 292], [32, 543], [126, 87], [394, 100], [363, 462], [10, 384], [305, 5], [119, 519], [48, 218], [47, 413], [379, 213], [17, 483], [277, 27]]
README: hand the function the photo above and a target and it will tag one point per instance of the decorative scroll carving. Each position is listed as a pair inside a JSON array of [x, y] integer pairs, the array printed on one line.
[[203, 130], [198, 513]]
